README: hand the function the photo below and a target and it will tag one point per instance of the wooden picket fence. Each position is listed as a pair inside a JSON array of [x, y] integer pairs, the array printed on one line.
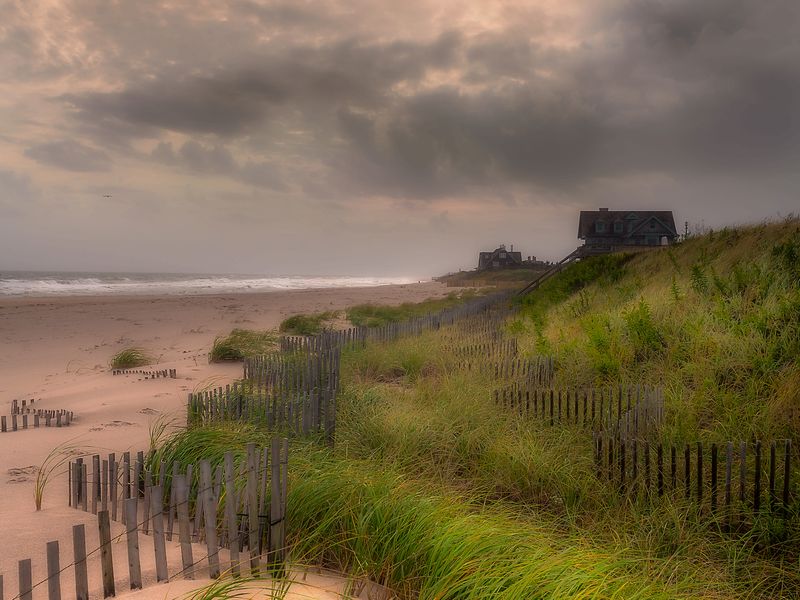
[[360, 336], [292, 391], [148, 373], [24, 415], [734, 477], [239, 507], [498, 349], [535, 372], [620, 412]]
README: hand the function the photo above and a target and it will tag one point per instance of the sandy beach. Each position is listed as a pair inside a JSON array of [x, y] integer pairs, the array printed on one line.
[[56, 351]]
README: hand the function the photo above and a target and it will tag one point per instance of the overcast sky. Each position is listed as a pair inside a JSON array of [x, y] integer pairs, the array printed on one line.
[[381, 138]]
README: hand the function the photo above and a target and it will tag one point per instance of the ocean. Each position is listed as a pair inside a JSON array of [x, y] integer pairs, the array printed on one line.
[[42, 283]]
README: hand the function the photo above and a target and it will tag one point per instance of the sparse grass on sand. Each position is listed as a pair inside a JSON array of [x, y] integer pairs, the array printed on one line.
[[308, 324], [242, 343], [57, 457], [130, 358]]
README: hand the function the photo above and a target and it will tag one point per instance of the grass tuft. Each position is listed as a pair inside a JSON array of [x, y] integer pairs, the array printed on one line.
[[242, 343], [130, 358], [308, 324], [55, 459]]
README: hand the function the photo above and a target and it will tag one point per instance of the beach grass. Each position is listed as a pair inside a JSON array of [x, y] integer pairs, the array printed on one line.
[[242, 343], [308, 324], [51, 466], [130, 358]]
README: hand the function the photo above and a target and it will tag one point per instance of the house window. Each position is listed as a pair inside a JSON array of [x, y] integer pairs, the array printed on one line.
[[652, 224], [502, 255], [599, 226], [618, 227]]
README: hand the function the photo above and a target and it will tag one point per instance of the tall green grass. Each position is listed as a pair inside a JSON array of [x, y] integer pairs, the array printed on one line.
[[242, 343], [716, 320], [369, 518], [424, 541], [311, 324]]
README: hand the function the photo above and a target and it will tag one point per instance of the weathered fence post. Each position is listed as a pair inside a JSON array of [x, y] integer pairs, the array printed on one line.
[[184, 534], [159, 544], [53, 571], [25, 579], [210, 511], [134, 565], [106, 558], [79, 554]]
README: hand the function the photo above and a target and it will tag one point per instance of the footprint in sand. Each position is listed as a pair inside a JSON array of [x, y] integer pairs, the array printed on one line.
[[22, 474], [149, 411]]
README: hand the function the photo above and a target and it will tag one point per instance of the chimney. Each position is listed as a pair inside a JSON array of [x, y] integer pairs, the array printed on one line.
[[512, 247], [603, 209]]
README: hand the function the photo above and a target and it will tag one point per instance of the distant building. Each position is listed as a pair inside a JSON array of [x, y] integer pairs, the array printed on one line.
[[500, 258], [608, 229]]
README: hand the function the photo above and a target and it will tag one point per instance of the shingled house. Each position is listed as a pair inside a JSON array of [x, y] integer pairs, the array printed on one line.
[[609, 229], [499, 258]]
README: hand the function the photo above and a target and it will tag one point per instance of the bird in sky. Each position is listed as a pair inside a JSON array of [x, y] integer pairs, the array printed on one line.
[[107, 196]]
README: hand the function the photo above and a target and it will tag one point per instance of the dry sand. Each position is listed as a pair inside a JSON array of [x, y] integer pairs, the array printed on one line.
[[56, 350]]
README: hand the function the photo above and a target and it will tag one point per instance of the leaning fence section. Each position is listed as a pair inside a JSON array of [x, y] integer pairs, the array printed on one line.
[[235, 508]]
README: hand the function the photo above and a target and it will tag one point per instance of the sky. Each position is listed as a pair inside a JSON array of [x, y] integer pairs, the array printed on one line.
[[381, 138]]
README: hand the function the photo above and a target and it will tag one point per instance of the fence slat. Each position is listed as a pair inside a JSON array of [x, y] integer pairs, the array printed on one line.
[[53, 571], [79, 558], [210, 511], [134, 565], [230, 514], [106, 558], [25, 580], [159, 544], [184, 533], [252, 507]]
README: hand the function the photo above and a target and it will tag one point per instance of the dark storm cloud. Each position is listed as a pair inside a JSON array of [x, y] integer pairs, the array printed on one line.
[[70, 155], [654, 87], [679, 87], [230, 102]]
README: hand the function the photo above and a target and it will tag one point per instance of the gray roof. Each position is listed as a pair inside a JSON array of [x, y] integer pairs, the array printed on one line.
[[638, 217]]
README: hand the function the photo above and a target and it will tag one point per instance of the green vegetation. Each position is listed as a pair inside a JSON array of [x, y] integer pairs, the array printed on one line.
[[499, 277], [241, 343], [130, 358], [308, 324], [434, 492], [373, 315], [716, 320]]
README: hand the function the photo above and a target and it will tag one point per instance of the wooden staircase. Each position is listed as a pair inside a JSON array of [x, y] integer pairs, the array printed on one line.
[[556, 268]]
